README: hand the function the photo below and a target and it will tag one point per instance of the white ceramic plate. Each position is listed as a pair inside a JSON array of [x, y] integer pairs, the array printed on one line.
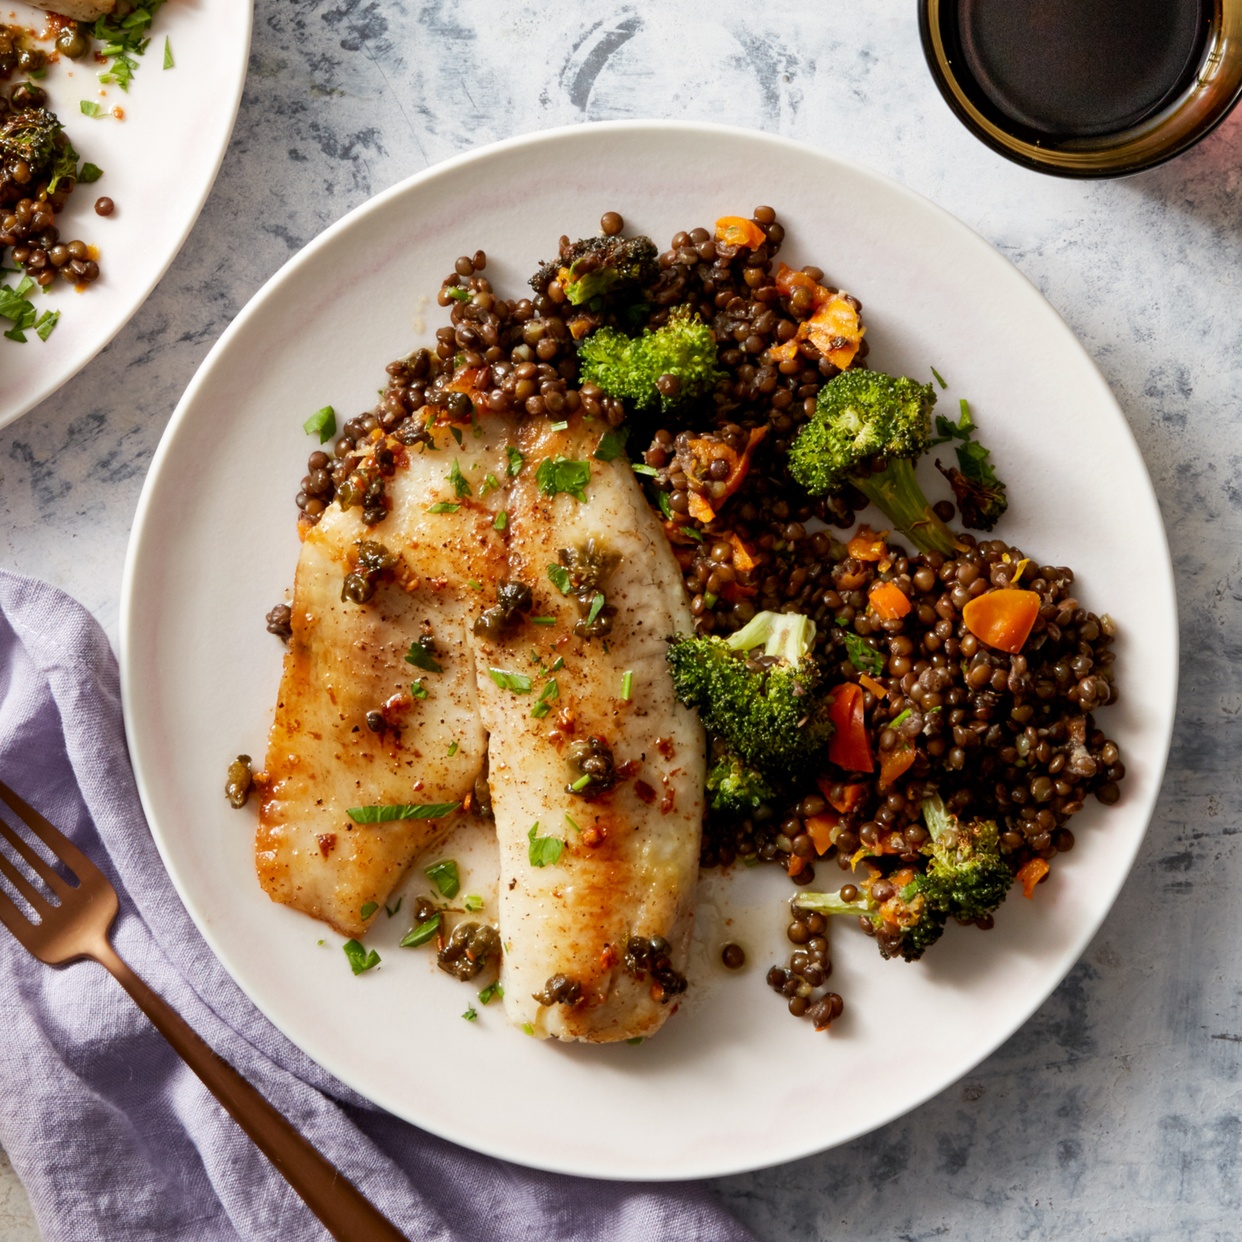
[[159, 164], [732, 1082]]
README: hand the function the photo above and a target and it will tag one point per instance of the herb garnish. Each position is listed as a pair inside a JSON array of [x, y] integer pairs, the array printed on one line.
[[359, 958], [420, 656], [665, 507], [515, 460], [519, 683], [597, 606], [391, 910], [444, 506], [168, 56], [862, 655], [543, 620], [125, 39], [501, 521], [88, 107], [422, 933], [563, 474], [452, 750], [559, 577], [21, 313], [368, 909], [627, 683], [546, 695], [543, 851], [470, 1014], [417, 689], [939, 378], [611, 444], [458, 480], [400, 810], [473, 902], [322, 423], [89, 173], [444, 876], [458, 294], [492, 990], [642, 468]]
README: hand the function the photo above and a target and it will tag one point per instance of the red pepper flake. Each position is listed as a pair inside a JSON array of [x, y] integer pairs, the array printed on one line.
[[645, 792], [327, 842]]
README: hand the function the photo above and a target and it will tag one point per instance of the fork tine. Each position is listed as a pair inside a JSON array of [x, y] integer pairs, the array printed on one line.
[[19, 881], [52, 837], [15, 920], [38, 865]]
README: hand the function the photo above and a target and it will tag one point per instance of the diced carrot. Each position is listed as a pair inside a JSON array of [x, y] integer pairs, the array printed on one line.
[[843, 798], [835, 331], [699, 509], [580, 325], [1030, 874], [738, 231], [874, 686], [697, 457], [819, 828], [888, 601], [782, 353], [788, 279], [866, 545], [894, 762], [1002, 618], [848, 747], [742, 558], [795, 865]]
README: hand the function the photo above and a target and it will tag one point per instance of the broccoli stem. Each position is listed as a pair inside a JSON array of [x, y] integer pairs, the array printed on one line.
[[895, 491], [829, 903]]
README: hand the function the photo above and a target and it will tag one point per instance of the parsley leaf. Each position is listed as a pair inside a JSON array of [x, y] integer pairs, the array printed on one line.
[[420, 656], [515, 460], [400, 810], [422, 933], [611, 444], [597, 606], [501, 521], [89, 173], [939, 378], [391, 910], [444, 506], [418, 690], [472, 902], [88, 107], [470, 1014], [519, 683], [444, 876], [359, 958], [168, 56], [458, 294], [368, 909], [458, 480], [559, 577], [665, 507], [543, 851], [627, 683], [492, 990], [563, 474], [322, 423], [862, 655], [542, 707]]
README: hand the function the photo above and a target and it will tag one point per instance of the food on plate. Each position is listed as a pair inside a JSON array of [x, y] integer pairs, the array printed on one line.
[[78, 10], [911, 703], [588, 748]]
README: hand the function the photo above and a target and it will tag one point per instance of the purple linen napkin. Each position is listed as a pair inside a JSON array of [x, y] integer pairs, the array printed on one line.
[[113, 1136]]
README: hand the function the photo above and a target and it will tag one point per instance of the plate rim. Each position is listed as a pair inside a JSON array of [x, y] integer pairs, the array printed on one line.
[[232, 105], [1085, 931]]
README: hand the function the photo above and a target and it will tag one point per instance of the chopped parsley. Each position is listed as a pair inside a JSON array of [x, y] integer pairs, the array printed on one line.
[[611, 444], [627, 684], [561, 426], [527, 1029], [444, 506], [472, 902], [900, 719], [939, 379], [417, 689], [168, 56], [492, 990], [420, 656], [557, 665], [563, 474], [597, 606], [474, 584], [862, 655], [445, 877], [515, 460], [89, 107], [458, 480], [642, 468], [490, 484], [368, 909], [359, 958], [569, 819], [501, 521], [322, 423], [125, 38], [665, 507], [470, 1014], [89, 173], [581, 783], [542, 707], [544, 851], [400, 810], [455, 432], [519, 683], [635, 1039], [543, 620], [391, 910], [558, 575], [423, 932], [452, 750]]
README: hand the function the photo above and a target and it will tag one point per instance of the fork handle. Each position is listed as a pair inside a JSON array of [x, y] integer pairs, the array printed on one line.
[[342, 1208]]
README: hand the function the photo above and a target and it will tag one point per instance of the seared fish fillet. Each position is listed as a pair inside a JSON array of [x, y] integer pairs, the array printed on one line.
[[629, 863], [346, 662]]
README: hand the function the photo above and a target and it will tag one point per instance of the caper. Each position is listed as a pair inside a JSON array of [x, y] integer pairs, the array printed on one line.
[[239, 780], [72, 43], [559, 990], [468, 949]]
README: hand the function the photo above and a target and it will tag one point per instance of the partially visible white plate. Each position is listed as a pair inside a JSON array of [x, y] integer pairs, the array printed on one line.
[[159, 165], [733, 1082]]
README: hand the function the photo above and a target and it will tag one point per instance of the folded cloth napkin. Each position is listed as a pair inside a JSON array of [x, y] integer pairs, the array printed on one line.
[[113, 1136]]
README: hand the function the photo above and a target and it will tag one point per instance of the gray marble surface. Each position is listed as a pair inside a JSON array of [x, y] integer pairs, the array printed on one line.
[[1115, 1112]]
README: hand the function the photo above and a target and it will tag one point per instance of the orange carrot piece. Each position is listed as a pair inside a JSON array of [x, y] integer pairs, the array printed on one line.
[[742, 558], [888, 601], [866, 545], [788, 279], [820, 828], [738, 231], [1002, 618], [865, 679], [700, 510], [835, 331], [848, 747], [843, 798], [894, 762], [1030, 874]]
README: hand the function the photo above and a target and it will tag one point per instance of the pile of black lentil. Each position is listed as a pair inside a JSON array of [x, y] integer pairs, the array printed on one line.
[[1008, 737]]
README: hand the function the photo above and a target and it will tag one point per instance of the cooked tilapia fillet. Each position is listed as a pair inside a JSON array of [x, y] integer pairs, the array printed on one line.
[[629, 867], [346, 660]]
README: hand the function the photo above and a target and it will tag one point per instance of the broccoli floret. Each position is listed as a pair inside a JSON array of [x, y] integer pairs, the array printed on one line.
[[966, 878], [661, 367], [863, 418], [763, 705], [593, 266], [734, 787], [905, 920]]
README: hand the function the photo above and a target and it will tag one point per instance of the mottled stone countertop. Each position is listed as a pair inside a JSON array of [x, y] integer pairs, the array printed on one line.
[[1115, 1111]]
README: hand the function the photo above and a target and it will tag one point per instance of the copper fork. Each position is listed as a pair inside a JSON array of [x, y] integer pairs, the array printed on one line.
[[75, 926]]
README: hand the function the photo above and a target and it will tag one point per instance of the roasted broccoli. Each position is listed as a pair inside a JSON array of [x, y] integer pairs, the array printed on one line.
[[594, 266], [661, 367], [733, 786], [864, 419], [966, 877], [898, 906], [756, 693]]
